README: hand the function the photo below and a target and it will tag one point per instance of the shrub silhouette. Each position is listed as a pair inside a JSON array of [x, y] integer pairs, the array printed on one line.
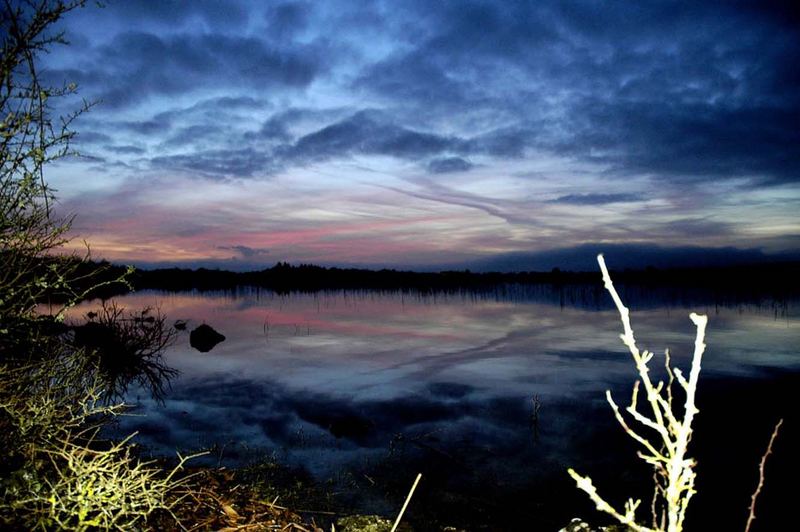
[[57, 381]]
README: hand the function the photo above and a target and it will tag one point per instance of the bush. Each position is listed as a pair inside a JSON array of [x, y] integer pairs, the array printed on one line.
[[58, 473], [58, 381]]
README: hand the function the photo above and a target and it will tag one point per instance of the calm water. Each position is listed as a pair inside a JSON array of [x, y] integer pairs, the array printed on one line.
[[366, 389]]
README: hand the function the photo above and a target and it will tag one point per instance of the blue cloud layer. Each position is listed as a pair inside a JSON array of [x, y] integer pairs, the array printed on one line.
[[680, 91]]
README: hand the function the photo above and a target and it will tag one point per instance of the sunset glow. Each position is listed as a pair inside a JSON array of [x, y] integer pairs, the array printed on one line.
[[428, 135]]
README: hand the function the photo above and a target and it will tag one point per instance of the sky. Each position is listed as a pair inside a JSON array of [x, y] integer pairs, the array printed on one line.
[[431, 134]]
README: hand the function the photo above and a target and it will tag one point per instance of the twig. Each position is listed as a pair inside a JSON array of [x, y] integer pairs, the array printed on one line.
[[752, 516], [665, 450], [321, 512], [405, 504]]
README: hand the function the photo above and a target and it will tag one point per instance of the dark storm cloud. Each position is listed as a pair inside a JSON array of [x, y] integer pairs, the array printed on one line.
[[681, 91], [138, 64], [690, 142], [684, 90], [596, 199]]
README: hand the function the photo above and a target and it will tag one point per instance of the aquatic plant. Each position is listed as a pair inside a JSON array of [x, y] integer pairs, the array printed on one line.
[[665, 444], [127, 348]]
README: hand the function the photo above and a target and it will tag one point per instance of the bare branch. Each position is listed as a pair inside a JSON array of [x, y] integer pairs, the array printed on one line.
[[672, 472], [752, 515]]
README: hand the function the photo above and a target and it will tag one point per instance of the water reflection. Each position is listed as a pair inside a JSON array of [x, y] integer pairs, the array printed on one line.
[[372, 382]]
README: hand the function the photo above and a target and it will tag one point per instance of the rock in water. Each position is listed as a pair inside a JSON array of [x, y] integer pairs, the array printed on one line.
[[204, 338]]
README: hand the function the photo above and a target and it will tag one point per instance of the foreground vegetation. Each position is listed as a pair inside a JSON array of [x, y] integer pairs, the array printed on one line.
[[667, 450], [663, 432], [61, 377], [57, 387]]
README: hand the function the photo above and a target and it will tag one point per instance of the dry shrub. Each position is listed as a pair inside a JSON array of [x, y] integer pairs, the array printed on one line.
[[668, 431]]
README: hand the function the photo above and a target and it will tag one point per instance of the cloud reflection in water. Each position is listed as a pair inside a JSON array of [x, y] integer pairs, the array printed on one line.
[[334, 381]]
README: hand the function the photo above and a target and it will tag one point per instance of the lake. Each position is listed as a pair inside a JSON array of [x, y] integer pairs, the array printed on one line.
[[490, 395]]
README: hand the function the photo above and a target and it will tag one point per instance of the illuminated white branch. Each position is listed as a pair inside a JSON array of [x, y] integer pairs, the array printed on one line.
[[665, 448]]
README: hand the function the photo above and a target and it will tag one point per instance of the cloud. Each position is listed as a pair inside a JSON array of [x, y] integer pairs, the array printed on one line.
[[368, 132], [210, 144], [330, 421], [87, 157], [172, 13], [633, 89], [136, 65], [512, 212], [231, 102], [286, 20], [145, 127], [212, 109], [372, 132], [197, 135], [273, 129], [413, 77], [125, 150], [448, 165], [693, 226], [689, 143], [91, 137], [634, 256], [246, 252], [245, 162], [690, 106], [506, 142], [596, 199]]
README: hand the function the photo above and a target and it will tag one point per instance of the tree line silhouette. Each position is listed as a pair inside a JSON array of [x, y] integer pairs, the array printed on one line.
[[754, 282]]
